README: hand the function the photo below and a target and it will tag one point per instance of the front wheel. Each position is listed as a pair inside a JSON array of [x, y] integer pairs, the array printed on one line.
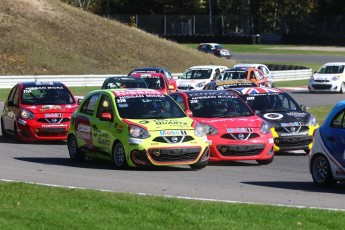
[[199, 165], [321, 172], [119, 156], [74, 151], [342, 88]]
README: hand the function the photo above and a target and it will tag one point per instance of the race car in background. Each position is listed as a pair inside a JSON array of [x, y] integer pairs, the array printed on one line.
[[196, 77], [261, 67], [155, 81], [234, 131], [292, 125], [252, 74], [38, 111], [118, 82]]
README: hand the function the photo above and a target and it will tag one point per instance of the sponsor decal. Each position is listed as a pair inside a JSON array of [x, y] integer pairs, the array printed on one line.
[[339, 173], [135, 141], [53, 115], [103, 138], [52, 107], [144, 122], [291, 124], [295, 114], [20, 121], [54, 126], [83, 131], [270, 141], [172, 132], [169, 122], [136, 92], [239, 130], [273, 116]]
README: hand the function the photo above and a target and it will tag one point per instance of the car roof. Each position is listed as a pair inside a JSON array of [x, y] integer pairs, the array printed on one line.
[[334, 63], [255, 65], [209, 43], [123, 78], [191, 92], [38, 83], [258, 90], [149, 68], [208, 67]]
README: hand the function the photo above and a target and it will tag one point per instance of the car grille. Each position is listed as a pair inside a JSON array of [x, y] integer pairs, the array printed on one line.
[[321, 81], [53, 120], [185, 88], [174, 154], [52, 132], [173, 139], [240, 150], [292, 129], [240, 136], [322, 86], [292, 141]]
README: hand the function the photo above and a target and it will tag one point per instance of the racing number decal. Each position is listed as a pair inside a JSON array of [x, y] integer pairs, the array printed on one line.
[[273, 116]]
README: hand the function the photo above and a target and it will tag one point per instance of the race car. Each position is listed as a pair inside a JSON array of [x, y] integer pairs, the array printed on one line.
[[292, 125], [156, 69], [155, 81], [252, 74], [136, 128], [116, 82], [228, 84], [234, 131], [327, 157], [38, 111], [196, 77]]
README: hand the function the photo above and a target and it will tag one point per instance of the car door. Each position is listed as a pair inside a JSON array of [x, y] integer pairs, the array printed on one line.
[[334, 137], [11, 109], [102, 127]]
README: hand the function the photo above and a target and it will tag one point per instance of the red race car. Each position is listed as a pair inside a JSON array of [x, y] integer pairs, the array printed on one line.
[[38, 111], [155, 81], [234, 131], [155, 69]]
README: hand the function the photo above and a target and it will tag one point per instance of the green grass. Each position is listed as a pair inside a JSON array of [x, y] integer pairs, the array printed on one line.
[[27, 206]]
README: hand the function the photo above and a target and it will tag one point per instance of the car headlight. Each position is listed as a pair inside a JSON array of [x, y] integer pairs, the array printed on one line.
[[26, 114], [201, 84], [209, 129], [312, 120], [265, 127], [335, 78], [138, 132], [199, 130]]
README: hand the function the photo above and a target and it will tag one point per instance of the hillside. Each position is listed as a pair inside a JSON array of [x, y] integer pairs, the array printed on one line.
[[50, 37]]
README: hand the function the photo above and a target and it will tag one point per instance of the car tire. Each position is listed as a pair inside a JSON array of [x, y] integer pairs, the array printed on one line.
[[321, 171], [342, 88], [73, 149], [3, 132], [119, 156], [265, 162]]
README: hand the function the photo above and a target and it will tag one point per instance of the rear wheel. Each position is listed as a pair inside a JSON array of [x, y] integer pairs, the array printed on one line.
[[321, 172], [74, 151], [119, 156]]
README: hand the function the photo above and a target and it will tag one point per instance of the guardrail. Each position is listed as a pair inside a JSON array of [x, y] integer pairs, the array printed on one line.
[[97, 80]]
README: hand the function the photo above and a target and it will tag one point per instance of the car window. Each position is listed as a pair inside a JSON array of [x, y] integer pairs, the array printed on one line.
[[331, 69], [154, 82], [259, 75], [271, 102], [115, 83], [197, 74], [148, 106], [180, 101], [14, 94], [46, 94], [167, 75], [105, 106], [233, 75], [88, 107], [338, 121]]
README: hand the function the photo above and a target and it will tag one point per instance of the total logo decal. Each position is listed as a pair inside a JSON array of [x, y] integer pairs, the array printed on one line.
[[273, 116]]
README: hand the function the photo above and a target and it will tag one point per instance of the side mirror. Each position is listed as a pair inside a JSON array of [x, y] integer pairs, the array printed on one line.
[[189, 113], [303, 107], [106, 117], [171, 87], [11, 103]]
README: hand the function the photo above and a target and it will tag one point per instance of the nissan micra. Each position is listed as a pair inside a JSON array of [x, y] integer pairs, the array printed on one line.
[[136, 127]]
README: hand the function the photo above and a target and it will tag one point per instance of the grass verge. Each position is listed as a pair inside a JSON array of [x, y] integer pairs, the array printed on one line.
[[27, 206]]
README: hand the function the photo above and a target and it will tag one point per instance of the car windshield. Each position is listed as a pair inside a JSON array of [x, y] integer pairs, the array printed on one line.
[[154, 82], [219, 47], [197, 74], [46, 94], [217, 104], [115, 83], [148, 106], [233, 75], [331, 69], [275, 102]]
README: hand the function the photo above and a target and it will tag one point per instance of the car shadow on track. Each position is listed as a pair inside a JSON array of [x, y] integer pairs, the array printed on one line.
[[298, 185], [12, 140], [94, 164]]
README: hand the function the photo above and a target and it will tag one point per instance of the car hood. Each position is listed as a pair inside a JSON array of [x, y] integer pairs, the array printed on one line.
[[287, 119], [51, 108], [238, 122], [164, 124]]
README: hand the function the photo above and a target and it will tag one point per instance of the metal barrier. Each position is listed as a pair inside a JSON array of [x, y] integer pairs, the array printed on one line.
[[97, 80]]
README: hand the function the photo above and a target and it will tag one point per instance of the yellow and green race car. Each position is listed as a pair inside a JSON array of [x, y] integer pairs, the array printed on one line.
[[136, 127]]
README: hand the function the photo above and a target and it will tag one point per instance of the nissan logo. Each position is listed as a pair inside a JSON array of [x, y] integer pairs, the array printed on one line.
[[241, 136], [174, 139]]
